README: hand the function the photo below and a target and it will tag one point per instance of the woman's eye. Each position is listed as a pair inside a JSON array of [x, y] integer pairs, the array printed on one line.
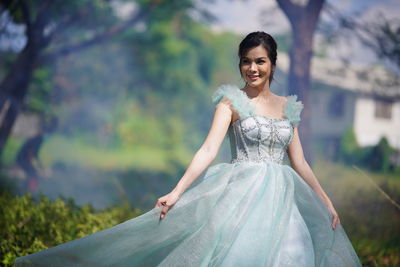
[[261, 62]]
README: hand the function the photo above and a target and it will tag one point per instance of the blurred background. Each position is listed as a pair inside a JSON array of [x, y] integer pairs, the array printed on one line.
[[103, 104]]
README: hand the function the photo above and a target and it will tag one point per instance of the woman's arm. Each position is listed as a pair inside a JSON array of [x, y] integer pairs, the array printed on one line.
[[203, 157], [300, 165], [209, 149]]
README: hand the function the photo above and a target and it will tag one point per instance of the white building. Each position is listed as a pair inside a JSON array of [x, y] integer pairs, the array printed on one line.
[[362, 97]]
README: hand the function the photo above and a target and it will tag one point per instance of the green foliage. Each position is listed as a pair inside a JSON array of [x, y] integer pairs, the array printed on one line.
[[164, 10], [134, 130], [166, 69], [40, 92], [349, 151], [10, 150], [376, 158], [27, 226], [72, 152], [170, 64], [100, 12]]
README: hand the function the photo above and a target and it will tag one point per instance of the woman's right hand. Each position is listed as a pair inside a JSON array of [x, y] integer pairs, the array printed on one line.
[[335, 216], [167, 201]]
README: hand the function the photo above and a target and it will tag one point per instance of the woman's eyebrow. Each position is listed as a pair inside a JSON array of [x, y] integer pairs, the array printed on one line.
[[256, 58]]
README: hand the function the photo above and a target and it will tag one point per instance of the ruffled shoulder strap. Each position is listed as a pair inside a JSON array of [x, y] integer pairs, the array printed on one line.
[[293, 110], [238, 98]]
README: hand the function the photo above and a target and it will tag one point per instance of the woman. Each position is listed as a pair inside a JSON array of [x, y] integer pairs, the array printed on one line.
[[254, 211]]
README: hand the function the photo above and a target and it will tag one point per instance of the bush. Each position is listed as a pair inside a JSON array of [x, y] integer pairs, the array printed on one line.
[[27, 226], [349, 151], [375, 158], [378, 158]]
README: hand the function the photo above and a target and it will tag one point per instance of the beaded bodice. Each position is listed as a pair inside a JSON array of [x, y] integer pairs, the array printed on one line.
[[256, 137]]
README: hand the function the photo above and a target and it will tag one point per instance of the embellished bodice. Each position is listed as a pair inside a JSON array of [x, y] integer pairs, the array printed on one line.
[[256, 137]]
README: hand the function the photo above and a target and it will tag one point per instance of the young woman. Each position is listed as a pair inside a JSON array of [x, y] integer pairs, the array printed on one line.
[[264, 208]]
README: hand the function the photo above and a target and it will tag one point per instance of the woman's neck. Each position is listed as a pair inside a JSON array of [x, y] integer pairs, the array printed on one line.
[[259, 93]]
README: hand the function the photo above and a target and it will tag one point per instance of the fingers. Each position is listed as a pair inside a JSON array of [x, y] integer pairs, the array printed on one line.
[[164, 211], [162, 202], [167, 203], [335, 221], [159, 202]]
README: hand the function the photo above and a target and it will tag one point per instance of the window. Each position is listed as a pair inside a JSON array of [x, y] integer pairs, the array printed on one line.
[[336, 105], [383, 109]]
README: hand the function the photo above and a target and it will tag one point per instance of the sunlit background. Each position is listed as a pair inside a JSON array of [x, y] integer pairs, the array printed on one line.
[[104, 103]]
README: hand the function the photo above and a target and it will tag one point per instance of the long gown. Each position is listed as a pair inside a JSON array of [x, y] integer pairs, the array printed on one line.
[[253, 211]]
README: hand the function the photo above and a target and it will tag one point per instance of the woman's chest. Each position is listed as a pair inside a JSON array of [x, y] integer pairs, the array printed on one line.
[[262, 130]]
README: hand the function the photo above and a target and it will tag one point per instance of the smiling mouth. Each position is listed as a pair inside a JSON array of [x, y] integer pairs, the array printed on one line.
[[253, 78]]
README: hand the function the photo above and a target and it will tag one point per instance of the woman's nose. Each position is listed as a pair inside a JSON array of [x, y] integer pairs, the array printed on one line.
[[253, 66]]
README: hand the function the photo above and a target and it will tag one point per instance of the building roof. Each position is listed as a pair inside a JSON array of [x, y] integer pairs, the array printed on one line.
[[375, 81]]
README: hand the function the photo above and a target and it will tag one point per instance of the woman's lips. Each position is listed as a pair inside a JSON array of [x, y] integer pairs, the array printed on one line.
[[253, 78]]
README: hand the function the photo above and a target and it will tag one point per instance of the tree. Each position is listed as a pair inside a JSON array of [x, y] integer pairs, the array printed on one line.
[[303, 21], [382, 35], [45, 22]]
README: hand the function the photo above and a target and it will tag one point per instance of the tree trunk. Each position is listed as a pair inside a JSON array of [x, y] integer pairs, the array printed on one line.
[[303, 20], [299, 82], [14, 89]]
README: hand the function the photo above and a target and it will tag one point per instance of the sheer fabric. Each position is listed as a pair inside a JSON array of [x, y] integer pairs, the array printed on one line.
[[254, 211]]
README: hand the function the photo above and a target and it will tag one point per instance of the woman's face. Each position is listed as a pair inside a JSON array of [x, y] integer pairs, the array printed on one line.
[[255, 67]]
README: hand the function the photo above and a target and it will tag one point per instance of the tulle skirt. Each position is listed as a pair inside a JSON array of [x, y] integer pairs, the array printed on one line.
[[237, 214]]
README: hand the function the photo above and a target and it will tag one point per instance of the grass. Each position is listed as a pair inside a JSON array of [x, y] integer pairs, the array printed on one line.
[[370, 219], [73, 152]]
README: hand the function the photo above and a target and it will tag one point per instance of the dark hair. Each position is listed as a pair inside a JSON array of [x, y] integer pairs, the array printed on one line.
[[259, 38]]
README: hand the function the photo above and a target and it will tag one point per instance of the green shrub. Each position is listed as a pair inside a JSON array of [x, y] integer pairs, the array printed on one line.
[[349, 151], [376, 158], [27, 226]]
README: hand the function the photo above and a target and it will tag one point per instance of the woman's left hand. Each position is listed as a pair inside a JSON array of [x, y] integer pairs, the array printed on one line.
[[335, 216]]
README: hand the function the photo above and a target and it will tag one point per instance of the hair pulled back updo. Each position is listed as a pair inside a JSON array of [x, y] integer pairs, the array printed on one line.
[[255, 39]]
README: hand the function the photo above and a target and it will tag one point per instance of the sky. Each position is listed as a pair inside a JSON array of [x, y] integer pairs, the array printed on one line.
[[244, 16], [256, 14]]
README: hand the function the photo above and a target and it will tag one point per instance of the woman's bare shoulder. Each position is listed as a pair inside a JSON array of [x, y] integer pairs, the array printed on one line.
[[281, 99], [227, 102]]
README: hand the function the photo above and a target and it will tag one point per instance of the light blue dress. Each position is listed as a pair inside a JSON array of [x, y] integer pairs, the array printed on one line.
[[253, 211]]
